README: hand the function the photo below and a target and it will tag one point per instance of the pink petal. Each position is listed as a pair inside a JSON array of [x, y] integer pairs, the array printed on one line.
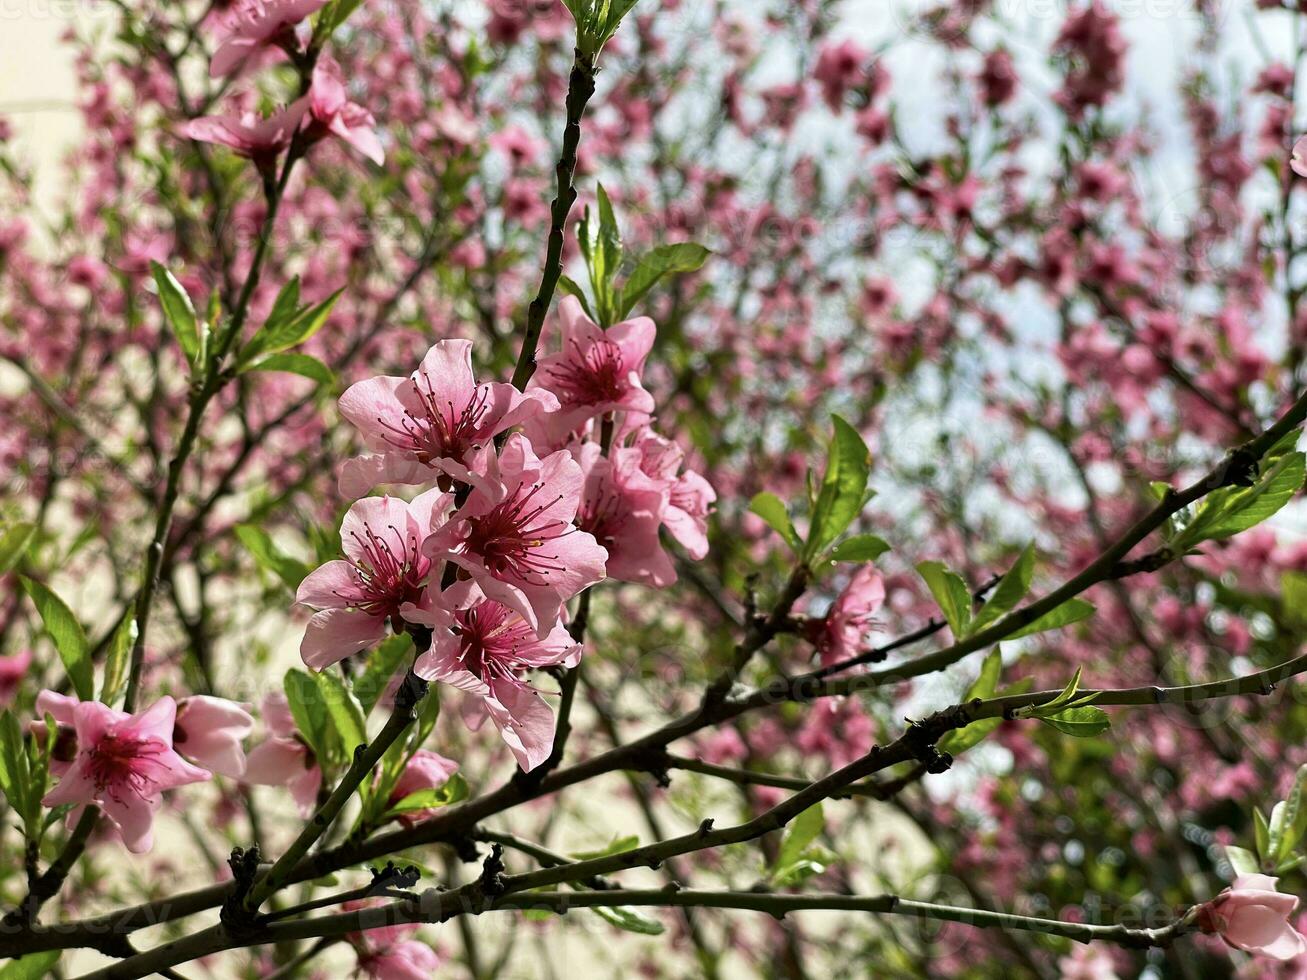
[[329, 586], [374, 408], [524, 721], [334, 634]]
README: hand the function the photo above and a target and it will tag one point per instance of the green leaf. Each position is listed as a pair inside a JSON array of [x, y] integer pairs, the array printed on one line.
[[1071, 611], [33, 966], [1262, 834], [305, 365], [985, 686], [1287, 820], [178, 310], [860, 547], [801, 870], [616, 846], [276, 336], [772, 509], [1083, 722], [629, 919], [1230, 510], [951, 594], [309, 710], [14, 542], [663, 261], [453, 791], [332, 16], [118, 661], [344, 710], [257, 542], [15, 775], [1293, 598], [802, 831], [1011, 589], [68, 636], [840, 500], [1242, 860], [383, 664], [569, 286]]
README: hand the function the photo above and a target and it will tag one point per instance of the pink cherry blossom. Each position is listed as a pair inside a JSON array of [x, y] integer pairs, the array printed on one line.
[[123, 764], [1299, 159], [623, 507], [842, 633], [381, 578], [425, 770], [515, 536], [597, 371], [839, 68], [331, 112], [284, 759], [258, 138], [13, 669], [1251, 915], [430, 422], [484, 653], [209, 731], [386, 952], [254, 26], [690, 496]]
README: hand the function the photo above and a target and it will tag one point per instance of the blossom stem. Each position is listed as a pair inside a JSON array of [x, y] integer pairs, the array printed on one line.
[[580, 88], [366, 758]]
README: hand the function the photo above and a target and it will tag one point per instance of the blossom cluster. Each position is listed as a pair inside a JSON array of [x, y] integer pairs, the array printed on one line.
[[534, 497]]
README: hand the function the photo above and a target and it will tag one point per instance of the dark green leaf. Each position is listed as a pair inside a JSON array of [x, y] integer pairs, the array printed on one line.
[[453, 791], [257, 542], [68, 636], [14, 542], [118, 660], [343, 709], [951, 594], [860, 547], [178, 310], [304, 365], [663, 261], [1084, 722], [309, 710], [848, 465], [275, 337], [33, 966], [1011, 589], [1071, 611], [802, 831], [772, 509], [383, 663]]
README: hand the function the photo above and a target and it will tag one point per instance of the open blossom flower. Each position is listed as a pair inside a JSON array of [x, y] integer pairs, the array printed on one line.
[[484, 653], [260, 139], [623, 507], [331, 111], [123, 764], [255, 26], [206, 730], [429, 423], [209, 731], [13, 669], [381, 578], [284, 759], [690, 497], [597, 371], [843, 632], [425, 770], [1251, 915], [514, 534]]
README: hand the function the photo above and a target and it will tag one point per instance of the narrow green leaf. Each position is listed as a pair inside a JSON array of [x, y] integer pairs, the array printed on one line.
[[802, 831], [1083, 722], [33, 966], [860, 547], [178, 310], [453, 791], [616, 846], [68, 636], [258, 543], [15, 776], [383, 663], [309, 710], [275, 337], [951, 594], [343, 709], [848, 465], [629, 919], [14, 542], [305, 365], [772, 509], [665, 260], [1262, 834], [572, 288], [118, 660], [1242, 860], [1011, 589], [1071, 611]]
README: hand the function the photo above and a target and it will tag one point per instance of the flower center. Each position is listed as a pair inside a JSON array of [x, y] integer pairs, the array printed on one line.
[[604, 517], [386, 580], [118, 762], [510, 537], [489, 637], [436, 429], [591, 376]]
